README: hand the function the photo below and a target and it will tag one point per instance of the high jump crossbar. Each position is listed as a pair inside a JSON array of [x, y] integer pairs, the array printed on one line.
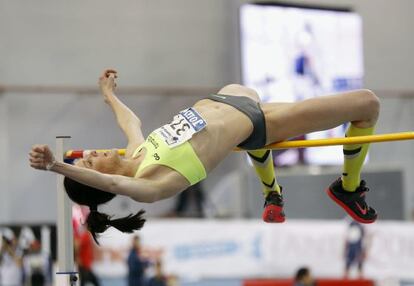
[[73, 154]]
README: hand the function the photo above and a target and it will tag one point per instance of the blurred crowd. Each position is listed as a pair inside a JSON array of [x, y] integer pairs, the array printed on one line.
[[144, 268], [23, 261]]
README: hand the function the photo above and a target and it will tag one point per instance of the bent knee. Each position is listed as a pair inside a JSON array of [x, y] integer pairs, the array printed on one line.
[[371, 102], [240, 90]]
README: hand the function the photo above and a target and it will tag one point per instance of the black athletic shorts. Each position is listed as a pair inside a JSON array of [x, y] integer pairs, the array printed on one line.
[[252, 109]]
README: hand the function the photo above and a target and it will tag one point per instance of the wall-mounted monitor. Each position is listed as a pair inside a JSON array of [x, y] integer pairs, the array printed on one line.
[[291, 53]]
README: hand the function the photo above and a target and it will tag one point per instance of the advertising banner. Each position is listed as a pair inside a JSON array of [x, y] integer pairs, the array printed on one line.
[[196, 249]]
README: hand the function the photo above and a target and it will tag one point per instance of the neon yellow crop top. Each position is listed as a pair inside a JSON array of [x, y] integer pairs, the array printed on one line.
[[181, 158]]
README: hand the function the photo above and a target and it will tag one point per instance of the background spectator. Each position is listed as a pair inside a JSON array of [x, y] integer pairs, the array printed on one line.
[[355, 250], [11, 266], [159, 279], [84, 246], [37, 265], [193, 195], [136, 264], [303, 277]]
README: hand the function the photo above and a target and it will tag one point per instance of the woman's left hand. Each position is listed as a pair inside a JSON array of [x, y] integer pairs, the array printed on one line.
[[107, 83]]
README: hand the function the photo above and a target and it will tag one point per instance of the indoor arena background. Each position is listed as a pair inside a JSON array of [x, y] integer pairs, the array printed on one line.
[[169, 54]]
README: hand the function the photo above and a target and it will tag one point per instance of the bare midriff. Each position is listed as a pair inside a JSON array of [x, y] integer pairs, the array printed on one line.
[[226, 128]]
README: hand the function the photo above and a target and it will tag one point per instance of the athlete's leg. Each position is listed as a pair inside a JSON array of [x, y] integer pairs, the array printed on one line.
[[361, 108], [288, 120], [262, 161]]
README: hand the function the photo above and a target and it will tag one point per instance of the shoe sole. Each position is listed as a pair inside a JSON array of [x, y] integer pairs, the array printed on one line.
[[272, 214], [347, 209]]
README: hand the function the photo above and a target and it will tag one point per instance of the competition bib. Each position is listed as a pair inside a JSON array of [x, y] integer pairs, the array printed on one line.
[[184, 125]]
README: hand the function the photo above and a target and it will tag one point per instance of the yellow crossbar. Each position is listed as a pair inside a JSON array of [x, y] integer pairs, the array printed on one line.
[[295, 143], [341, 141]]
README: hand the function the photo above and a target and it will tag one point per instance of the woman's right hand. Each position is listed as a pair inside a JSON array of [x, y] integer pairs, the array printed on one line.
[[41, 157], [107, 83]]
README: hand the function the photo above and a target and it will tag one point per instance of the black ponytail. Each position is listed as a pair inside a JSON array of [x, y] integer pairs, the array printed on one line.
[[99, 222]]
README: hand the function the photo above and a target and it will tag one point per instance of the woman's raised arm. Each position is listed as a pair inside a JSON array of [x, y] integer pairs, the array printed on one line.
[[127, 120]]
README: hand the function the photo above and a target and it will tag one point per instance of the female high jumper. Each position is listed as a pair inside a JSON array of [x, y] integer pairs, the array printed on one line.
[[182, 152]]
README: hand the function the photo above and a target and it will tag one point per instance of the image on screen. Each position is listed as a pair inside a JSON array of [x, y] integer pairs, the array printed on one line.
[[291, 53]]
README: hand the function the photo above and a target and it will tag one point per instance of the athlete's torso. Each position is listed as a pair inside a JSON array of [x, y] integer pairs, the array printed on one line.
[[226, 128], [163, 147]]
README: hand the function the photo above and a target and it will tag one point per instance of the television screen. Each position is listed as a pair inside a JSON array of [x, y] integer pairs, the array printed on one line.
[[292, 53]]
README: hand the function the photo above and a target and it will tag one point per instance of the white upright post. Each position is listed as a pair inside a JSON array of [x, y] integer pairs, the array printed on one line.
[[66, 274]]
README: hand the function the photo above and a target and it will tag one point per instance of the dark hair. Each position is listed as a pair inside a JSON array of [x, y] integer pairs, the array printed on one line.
[[6, 240], [99, 222], [301, 273]]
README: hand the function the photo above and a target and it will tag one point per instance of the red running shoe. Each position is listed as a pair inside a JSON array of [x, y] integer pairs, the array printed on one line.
[[273, 208], [353, 202]]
